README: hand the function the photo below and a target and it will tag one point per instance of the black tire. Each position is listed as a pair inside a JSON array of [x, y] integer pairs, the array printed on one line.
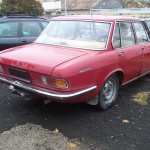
[[108, 93]]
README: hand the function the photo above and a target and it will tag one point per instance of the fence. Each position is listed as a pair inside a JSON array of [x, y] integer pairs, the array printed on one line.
[[138, 12]]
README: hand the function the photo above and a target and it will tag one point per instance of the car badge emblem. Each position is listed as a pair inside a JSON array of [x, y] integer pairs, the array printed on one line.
[[16, 64], [85, 70]]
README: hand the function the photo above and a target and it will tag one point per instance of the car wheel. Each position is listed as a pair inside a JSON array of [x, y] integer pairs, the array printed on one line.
[[108, 93]]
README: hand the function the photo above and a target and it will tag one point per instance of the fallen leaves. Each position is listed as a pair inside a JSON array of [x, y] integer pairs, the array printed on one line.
[[72, 145], [46, 101], [141, 98], [56, 131], [125, 121]]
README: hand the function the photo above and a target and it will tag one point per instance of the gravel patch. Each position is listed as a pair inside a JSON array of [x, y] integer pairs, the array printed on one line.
[[34, 137]]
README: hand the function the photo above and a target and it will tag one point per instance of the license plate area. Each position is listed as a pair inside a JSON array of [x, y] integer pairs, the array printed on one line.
[[23, 75]]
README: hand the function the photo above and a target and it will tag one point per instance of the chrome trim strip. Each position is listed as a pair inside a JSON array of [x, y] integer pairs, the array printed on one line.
[[47, 93], [136, 78]]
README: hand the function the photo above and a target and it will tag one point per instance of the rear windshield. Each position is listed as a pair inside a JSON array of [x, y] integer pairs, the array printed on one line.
[[79, 34]]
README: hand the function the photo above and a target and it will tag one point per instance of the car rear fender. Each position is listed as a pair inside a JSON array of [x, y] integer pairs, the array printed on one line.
[[120, 74]]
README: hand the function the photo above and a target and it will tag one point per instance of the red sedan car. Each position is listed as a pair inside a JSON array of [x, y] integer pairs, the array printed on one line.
[[79, 59]]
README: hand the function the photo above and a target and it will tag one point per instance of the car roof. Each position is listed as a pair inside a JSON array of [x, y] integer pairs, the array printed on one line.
[[96, 18], [146, 18], [21, 17]]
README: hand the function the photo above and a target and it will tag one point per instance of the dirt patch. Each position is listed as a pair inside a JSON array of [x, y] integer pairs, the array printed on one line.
[[34, 137]]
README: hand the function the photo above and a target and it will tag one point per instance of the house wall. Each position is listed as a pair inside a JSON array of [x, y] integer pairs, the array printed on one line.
[[41, 1], [86, 10], [136, 12], [77, 12], [69, 12]]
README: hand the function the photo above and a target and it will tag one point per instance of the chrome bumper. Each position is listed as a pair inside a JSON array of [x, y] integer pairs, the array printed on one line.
[[44, 92]]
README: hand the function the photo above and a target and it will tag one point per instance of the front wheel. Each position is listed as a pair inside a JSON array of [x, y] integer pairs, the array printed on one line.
[[108, 93]]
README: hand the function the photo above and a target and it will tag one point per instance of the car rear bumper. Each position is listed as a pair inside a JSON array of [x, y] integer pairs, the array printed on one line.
[[44, 92]]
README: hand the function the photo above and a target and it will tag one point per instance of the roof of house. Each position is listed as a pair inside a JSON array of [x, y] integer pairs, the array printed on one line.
[[91, 4], [78, 4], [108, 4]]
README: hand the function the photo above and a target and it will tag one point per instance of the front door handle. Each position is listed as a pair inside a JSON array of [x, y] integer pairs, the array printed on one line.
[[144, 48], [121, 54], [24, 41]]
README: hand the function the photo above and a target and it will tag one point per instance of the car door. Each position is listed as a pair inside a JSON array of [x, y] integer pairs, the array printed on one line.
[[129, 53], [30, 30], [9, 36], [144, 42]]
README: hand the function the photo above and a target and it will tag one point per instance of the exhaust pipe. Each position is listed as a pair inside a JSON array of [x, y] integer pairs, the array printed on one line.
[[19, 93]]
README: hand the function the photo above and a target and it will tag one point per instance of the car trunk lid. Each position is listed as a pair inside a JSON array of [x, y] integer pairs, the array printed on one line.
[[38, 57]]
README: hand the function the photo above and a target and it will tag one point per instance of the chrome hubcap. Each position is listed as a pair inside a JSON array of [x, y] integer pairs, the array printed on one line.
[[109, 91]]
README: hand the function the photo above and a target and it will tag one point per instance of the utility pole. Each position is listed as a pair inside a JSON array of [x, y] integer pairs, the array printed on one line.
[[65, 7]]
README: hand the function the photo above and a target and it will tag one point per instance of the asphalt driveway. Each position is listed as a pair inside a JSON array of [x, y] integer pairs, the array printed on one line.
[[125, 126]]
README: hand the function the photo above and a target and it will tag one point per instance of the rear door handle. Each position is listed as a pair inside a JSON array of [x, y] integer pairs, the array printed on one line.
[[121, 54]]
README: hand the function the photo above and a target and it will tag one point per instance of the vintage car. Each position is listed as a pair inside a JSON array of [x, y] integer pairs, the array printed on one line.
[[79, 59]]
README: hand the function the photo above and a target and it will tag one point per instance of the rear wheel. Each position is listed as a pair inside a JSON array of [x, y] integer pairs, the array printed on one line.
[[108, 93]]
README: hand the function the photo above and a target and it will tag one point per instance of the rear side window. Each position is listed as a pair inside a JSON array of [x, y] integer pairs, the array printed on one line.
[[140, 32], [31, 29], [9, 29], [123, 35], [148, 24]]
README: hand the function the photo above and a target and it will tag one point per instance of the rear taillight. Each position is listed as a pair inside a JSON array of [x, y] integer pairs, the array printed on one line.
[[58, 83]]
